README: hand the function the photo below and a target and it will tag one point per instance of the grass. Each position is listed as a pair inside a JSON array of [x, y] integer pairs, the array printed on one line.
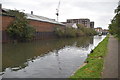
[[95, 61]]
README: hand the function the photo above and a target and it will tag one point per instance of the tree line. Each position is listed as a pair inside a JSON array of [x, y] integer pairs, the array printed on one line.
[[74, 32], [114, 27]]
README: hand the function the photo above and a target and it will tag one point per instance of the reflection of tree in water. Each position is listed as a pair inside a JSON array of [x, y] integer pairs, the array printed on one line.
[[84, 42], [58, 61], [17, 55]]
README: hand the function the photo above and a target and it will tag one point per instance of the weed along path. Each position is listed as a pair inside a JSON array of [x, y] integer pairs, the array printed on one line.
[[111, 59], [95, 62]]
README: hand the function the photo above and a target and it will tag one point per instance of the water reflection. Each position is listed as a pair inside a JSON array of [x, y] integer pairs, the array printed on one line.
[[46, 56]]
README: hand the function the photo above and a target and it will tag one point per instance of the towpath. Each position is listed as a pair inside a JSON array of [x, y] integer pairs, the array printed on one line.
[[110, 69]]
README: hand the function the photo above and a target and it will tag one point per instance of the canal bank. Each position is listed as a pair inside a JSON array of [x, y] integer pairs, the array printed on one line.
[[95, 61]]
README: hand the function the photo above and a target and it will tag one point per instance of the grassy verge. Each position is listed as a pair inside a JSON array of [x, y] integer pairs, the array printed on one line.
[[95, 61]]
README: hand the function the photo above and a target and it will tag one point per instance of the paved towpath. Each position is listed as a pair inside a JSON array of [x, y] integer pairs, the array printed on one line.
[[110, 69]]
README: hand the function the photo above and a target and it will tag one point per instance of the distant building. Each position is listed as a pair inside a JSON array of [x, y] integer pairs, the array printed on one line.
[[105, 31], [91, 24], [85, 21], [73, 25], [98, 29]]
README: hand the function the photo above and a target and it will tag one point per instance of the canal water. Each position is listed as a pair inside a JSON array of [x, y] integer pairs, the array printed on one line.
[[56, 58]]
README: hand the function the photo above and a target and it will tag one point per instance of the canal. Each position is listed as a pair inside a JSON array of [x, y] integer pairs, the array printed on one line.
[[56, 58]]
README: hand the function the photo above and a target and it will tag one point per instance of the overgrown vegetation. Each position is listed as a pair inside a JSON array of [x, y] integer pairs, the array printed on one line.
[[114, 27], [95, 61], [20, 30], [73, 32], [86, 31]]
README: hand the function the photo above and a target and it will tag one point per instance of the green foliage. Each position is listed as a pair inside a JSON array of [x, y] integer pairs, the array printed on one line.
[[95, 60], [59, 32], [73, 32], [20, 30], [114, 27], [87, 31], [66, 32], [70, 32]]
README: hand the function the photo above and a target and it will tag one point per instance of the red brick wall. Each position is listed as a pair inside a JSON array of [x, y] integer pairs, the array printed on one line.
[[39, 26], [42, 26], [6, 21], [45, 29]]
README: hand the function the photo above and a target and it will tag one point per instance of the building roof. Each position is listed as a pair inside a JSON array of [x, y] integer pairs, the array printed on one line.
[[79, 19], [43, 19], [38, 18]]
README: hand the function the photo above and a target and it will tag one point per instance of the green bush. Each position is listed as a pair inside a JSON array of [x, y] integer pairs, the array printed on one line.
[[70, 32], [59, 32], [20, 30], [114, 27], [86, 31], [80, 33], [73, 32]]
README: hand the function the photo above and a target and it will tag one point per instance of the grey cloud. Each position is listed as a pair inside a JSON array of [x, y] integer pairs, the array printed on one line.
[[96, 10]]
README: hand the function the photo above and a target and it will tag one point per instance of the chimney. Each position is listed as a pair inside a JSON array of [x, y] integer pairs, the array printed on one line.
[[31, 12]]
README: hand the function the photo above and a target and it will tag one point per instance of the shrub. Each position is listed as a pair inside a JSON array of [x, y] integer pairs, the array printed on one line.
[[70, 32], [59, 32], [80, 33], [73, 32], [20, 30]]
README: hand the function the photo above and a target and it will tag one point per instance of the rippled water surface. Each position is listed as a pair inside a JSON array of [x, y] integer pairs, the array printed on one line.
[[57, 58]]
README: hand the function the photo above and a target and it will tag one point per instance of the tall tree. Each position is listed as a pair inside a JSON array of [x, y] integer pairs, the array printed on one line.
[[114, 27]]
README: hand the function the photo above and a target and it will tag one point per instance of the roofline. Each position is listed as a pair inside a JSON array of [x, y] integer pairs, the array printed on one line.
[[79, 19], [46, 22], [54, 22]]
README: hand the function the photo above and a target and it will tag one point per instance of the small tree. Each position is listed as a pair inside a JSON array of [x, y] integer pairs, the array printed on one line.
[[20, 30]]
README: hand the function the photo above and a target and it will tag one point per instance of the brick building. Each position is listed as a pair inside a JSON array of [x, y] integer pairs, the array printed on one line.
[[98, 29], [44, 26]]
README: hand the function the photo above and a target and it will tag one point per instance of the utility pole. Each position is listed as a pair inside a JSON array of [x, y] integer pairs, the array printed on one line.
[[57, 13]]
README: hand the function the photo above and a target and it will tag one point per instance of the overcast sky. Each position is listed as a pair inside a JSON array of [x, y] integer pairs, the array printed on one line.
[[99, 11]]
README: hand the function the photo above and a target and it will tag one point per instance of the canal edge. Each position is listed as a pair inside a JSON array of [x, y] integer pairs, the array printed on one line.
[[78, 68]]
